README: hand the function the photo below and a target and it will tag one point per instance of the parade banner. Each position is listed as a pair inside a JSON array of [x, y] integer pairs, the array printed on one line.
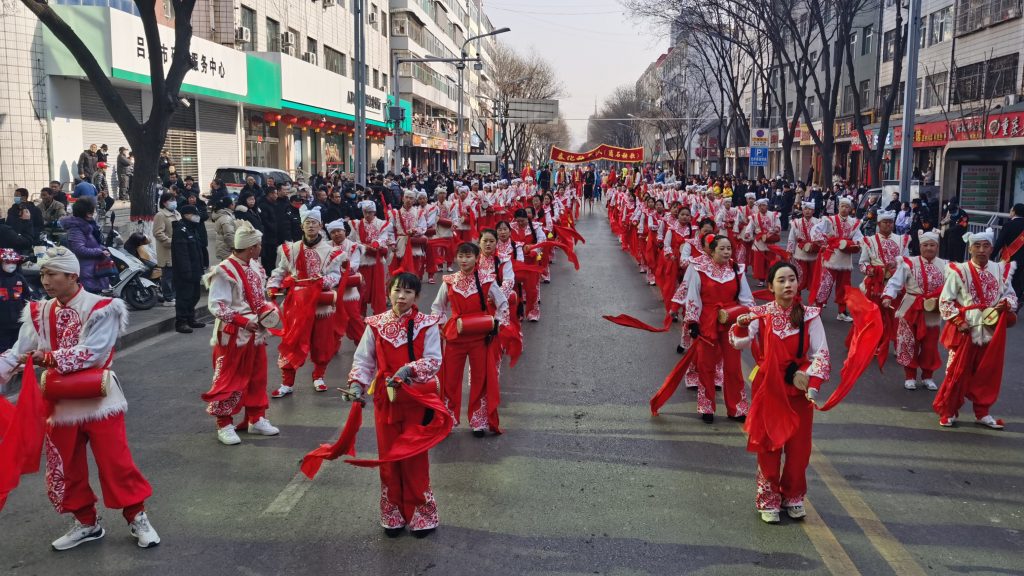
[[602, 152]]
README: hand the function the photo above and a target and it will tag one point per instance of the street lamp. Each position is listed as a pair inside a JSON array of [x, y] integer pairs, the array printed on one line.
[[460, 162]]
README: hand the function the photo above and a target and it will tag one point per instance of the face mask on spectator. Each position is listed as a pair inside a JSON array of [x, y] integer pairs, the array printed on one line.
[[10, 268], [17, 199], [172, 205], [192, 218]]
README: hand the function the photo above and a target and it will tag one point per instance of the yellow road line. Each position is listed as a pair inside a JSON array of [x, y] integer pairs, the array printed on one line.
[[831, 551], [891, 550]]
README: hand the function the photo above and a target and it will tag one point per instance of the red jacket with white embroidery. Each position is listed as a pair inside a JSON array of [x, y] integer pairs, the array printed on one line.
[[815, 362]]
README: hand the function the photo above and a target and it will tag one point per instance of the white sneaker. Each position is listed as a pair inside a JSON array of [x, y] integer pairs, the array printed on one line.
[[930, 384], [78, 534], [843, 317], [910, 384], [168, 303], [228, 436], [281, 392], [990, 422], [143, 531], [770, 516], [263, 427], [319, 385], [796, 512]]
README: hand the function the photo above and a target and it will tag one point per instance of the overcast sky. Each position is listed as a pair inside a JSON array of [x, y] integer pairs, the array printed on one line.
[[592, 45]]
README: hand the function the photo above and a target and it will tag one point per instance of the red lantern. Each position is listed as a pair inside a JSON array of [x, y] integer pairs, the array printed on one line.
[[271, 118], [306, 122], [321, 124], [332, 126], [290, 119]]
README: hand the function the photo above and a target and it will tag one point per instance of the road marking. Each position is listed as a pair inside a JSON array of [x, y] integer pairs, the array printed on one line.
[[891, 550], [831, 551], [289, 496]]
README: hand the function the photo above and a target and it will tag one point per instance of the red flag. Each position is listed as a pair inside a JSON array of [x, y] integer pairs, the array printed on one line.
[[416, 438], [866, 334], [345, 445], [24, 427]]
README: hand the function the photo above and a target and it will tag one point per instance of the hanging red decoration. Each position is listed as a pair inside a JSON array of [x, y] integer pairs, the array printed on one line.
[[290, 119], [271, 118]]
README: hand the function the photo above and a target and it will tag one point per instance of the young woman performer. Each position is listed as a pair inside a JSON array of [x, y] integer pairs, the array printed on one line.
[[793, 361], [499, 263], [400, 352], [715, 284], [471, 304]]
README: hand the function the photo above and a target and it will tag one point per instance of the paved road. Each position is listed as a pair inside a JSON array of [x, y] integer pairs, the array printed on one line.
[[584, 481]]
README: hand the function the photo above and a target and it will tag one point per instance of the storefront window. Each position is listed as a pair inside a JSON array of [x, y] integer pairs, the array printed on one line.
[[297, 151], [261, 142]]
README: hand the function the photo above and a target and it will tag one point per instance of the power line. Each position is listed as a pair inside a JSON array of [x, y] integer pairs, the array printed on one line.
[[546, 13]]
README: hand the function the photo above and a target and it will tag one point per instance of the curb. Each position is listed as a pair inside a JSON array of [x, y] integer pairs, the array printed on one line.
[[143, 333]]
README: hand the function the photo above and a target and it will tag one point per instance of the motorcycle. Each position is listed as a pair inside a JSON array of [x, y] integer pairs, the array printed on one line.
[[132, 283]]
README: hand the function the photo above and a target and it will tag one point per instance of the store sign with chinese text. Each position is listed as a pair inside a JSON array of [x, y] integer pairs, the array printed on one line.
[[214, 67]]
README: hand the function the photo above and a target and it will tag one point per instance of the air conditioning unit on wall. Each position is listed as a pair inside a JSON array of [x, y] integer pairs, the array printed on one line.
[[288, 39], [309, 57], [330, 3], [371, 18], [243, 34]]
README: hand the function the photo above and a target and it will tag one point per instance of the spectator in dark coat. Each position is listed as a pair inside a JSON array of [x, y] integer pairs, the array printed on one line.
[[193, 199], [268, 210], [187, 255], [335, 207], [87, 161], [246, 209], [85, 240], [954, 225], [21, 203], [1010, 232], [293, 219]]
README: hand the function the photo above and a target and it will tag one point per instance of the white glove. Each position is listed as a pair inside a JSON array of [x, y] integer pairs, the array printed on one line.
[[353, 393]]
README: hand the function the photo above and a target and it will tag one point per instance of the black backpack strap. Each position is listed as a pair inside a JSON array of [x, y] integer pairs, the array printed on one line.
[[409, 334]]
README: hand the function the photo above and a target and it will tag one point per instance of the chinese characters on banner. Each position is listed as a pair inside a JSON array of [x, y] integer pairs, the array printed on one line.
[[200, 63], [602, 152]]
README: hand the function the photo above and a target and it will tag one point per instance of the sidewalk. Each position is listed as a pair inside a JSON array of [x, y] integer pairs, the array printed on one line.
[[146, 324]]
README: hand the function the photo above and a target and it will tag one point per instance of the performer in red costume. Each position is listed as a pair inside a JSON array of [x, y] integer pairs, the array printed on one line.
[[348, 319], [762, 231], [310, 270], [375, 236], [527, 233], [978, 304], [442, 244], [236, 287], [499, 264], [801, 244], [919, 279], [793, 361], [72, 336], [839, 237], [714, 284], [409, 235], [471, 304], [397, 360]]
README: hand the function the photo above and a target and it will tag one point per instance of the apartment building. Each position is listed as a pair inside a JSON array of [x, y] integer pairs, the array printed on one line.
[[969, 124]]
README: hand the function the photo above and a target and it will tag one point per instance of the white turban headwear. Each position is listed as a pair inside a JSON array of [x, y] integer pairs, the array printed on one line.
[[60, 259], [246, 236]]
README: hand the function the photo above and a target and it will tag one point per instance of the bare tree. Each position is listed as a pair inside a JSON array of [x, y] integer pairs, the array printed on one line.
[[613, 123], [145, 138], [518, 76], [547, 135], [684, 110]]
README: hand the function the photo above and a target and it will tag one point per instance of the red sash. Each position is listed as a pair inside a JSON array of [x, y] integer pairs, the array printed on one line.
[[1010, 251]]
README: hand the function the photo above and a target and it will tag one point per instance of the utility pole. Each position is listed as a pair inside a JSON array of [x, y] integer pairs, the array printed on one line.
[[910, 100], [461, 65], [360, 103]]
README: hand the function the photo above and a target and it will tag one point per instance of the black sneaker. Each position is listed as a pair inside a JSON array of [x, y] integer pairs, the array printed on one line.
[[707, 418], [194, 324], [393, 532], [183, 328]]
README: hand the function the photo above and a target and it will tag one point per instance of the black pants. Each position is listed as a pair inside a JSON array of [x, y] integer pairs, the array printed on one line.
[[268, 257], [186, 300]]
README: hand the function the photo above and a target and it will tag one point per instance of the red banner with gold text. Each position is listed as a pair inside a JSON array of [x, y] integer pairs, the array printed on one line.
[[602, 152]]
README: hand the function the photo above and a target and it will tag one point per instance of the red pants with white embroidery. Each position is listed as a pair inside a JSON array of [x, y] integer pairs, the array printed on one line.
[[67, 469], [323, 345], [453, 366], [806, 271], [405, 495], [783, 484], [529, 283], [840, 280], [708, 357], [912, 353], [762, 261], [242, 371]]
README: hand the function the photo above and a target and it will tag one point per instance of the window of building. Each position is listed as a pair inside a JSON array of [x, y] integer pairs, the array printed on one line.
[[848, 99], [867, 41], [384, 23], [853, 42], [373, 13], [311, 45], [940, 26], [935, 90], [334, 61], [865, 94], [352, 62], [977, 14], [168, 9], [897, 105], [789, 110], [984, 80], [383, 81], [811, 107], [813, 59], [888, 45], [273, 35], [376, 78], [918, 93], [247, 18], [922, 33], [1001, 76]]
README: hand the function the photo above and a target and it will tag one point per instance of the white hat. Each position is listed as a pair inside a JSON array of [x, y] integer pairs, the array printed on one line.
[[931, 236], [750, 195], [886, 215], [314, 213], [333, 225], [367, 206], [463, 188], [409, 193], [60, 259], [762, 202], [440, 189], [988, 235], [807, 205], [421, 194], [246, 236], [846, 200]]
